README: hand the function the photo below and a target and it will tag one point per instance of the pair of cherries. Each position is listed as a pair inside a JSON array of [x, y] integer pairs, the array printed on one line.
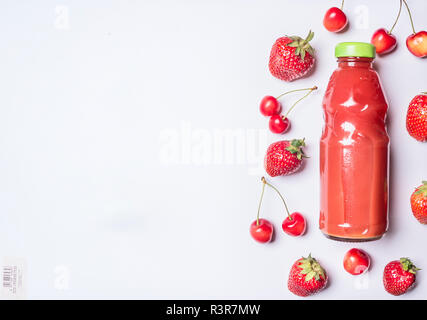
[[262, 230], [385, 42], [271, 107]]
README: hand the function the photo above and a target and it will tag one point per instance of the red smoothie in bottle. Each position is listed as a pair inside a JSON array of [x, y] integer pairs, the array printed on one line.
[[354, 149]]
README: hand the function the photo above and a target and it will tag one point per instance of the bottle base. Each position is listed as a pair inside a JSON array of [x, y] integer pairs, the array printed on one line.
[[343, 239]]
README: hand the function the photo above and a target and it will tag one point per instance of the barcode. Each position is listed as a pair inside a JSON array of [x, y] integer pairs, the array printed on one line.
[[7, 277], [12, 278]]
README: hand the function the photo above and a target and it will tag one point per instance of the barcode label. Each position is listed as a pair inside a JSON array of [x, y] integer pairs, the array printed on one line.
[[13, 271], [7, 277]]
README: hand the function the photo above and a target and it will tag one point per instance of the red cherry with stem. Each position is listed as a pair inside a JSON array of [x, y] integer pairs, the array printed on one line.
[[417, 41], [294, 224], [280, 124], [383, 40], [261, 229], [356, 261], [417, 44], [335, 19], [270, 106]]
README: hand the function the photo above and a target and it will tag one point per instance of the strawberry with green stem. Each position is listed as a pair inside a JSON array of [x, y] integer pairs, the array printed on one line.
[[416, 117], [307, 277], [284, 157], [291, 57], [419, 203], [399, 276]]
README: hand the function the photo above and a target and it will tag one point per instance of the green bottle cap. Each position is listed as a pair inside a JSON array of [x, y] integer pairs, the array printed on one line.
[[355, 49]]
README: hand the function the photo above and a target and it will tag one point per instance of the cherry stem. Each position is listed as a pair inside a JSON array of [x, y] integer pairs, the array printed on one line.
[[290, 109], [280, 195], [410, 16], [305, 89], [260, 201], [342, 4], [398, 15]]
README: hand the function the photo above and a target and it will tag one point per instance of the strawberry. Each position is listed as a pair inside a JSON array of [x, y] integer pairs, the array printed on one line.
[[307, 277], [399, 276], [419, 203], [284, 157], [416, 117], [291, 57]]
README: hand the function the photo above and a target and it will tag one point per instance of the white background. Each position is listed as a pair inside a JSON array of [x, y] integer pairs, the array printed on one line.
[[108, 184]]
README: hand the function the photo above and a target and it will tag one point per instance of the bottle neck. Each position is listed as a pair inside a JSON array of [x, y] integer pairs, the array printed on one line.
[[358, 62]]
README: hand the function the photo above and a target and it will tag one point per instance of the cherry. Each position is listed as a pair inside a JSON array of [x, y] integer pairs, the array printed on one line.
[[356, 261], [270, 106], [417, 41], [261, 230], [335, 19], [417, 44], [294, 224], [278, 124], [383, 40]]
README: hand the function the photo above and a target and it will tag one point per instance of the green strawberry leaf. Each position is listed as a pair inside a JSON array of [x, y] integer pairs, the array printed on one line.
[[310, 36], [311, 269], [302, 46], [310, 276], [293, 44], [407, 265], [422, 189], [302, 54], [295, 147]]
